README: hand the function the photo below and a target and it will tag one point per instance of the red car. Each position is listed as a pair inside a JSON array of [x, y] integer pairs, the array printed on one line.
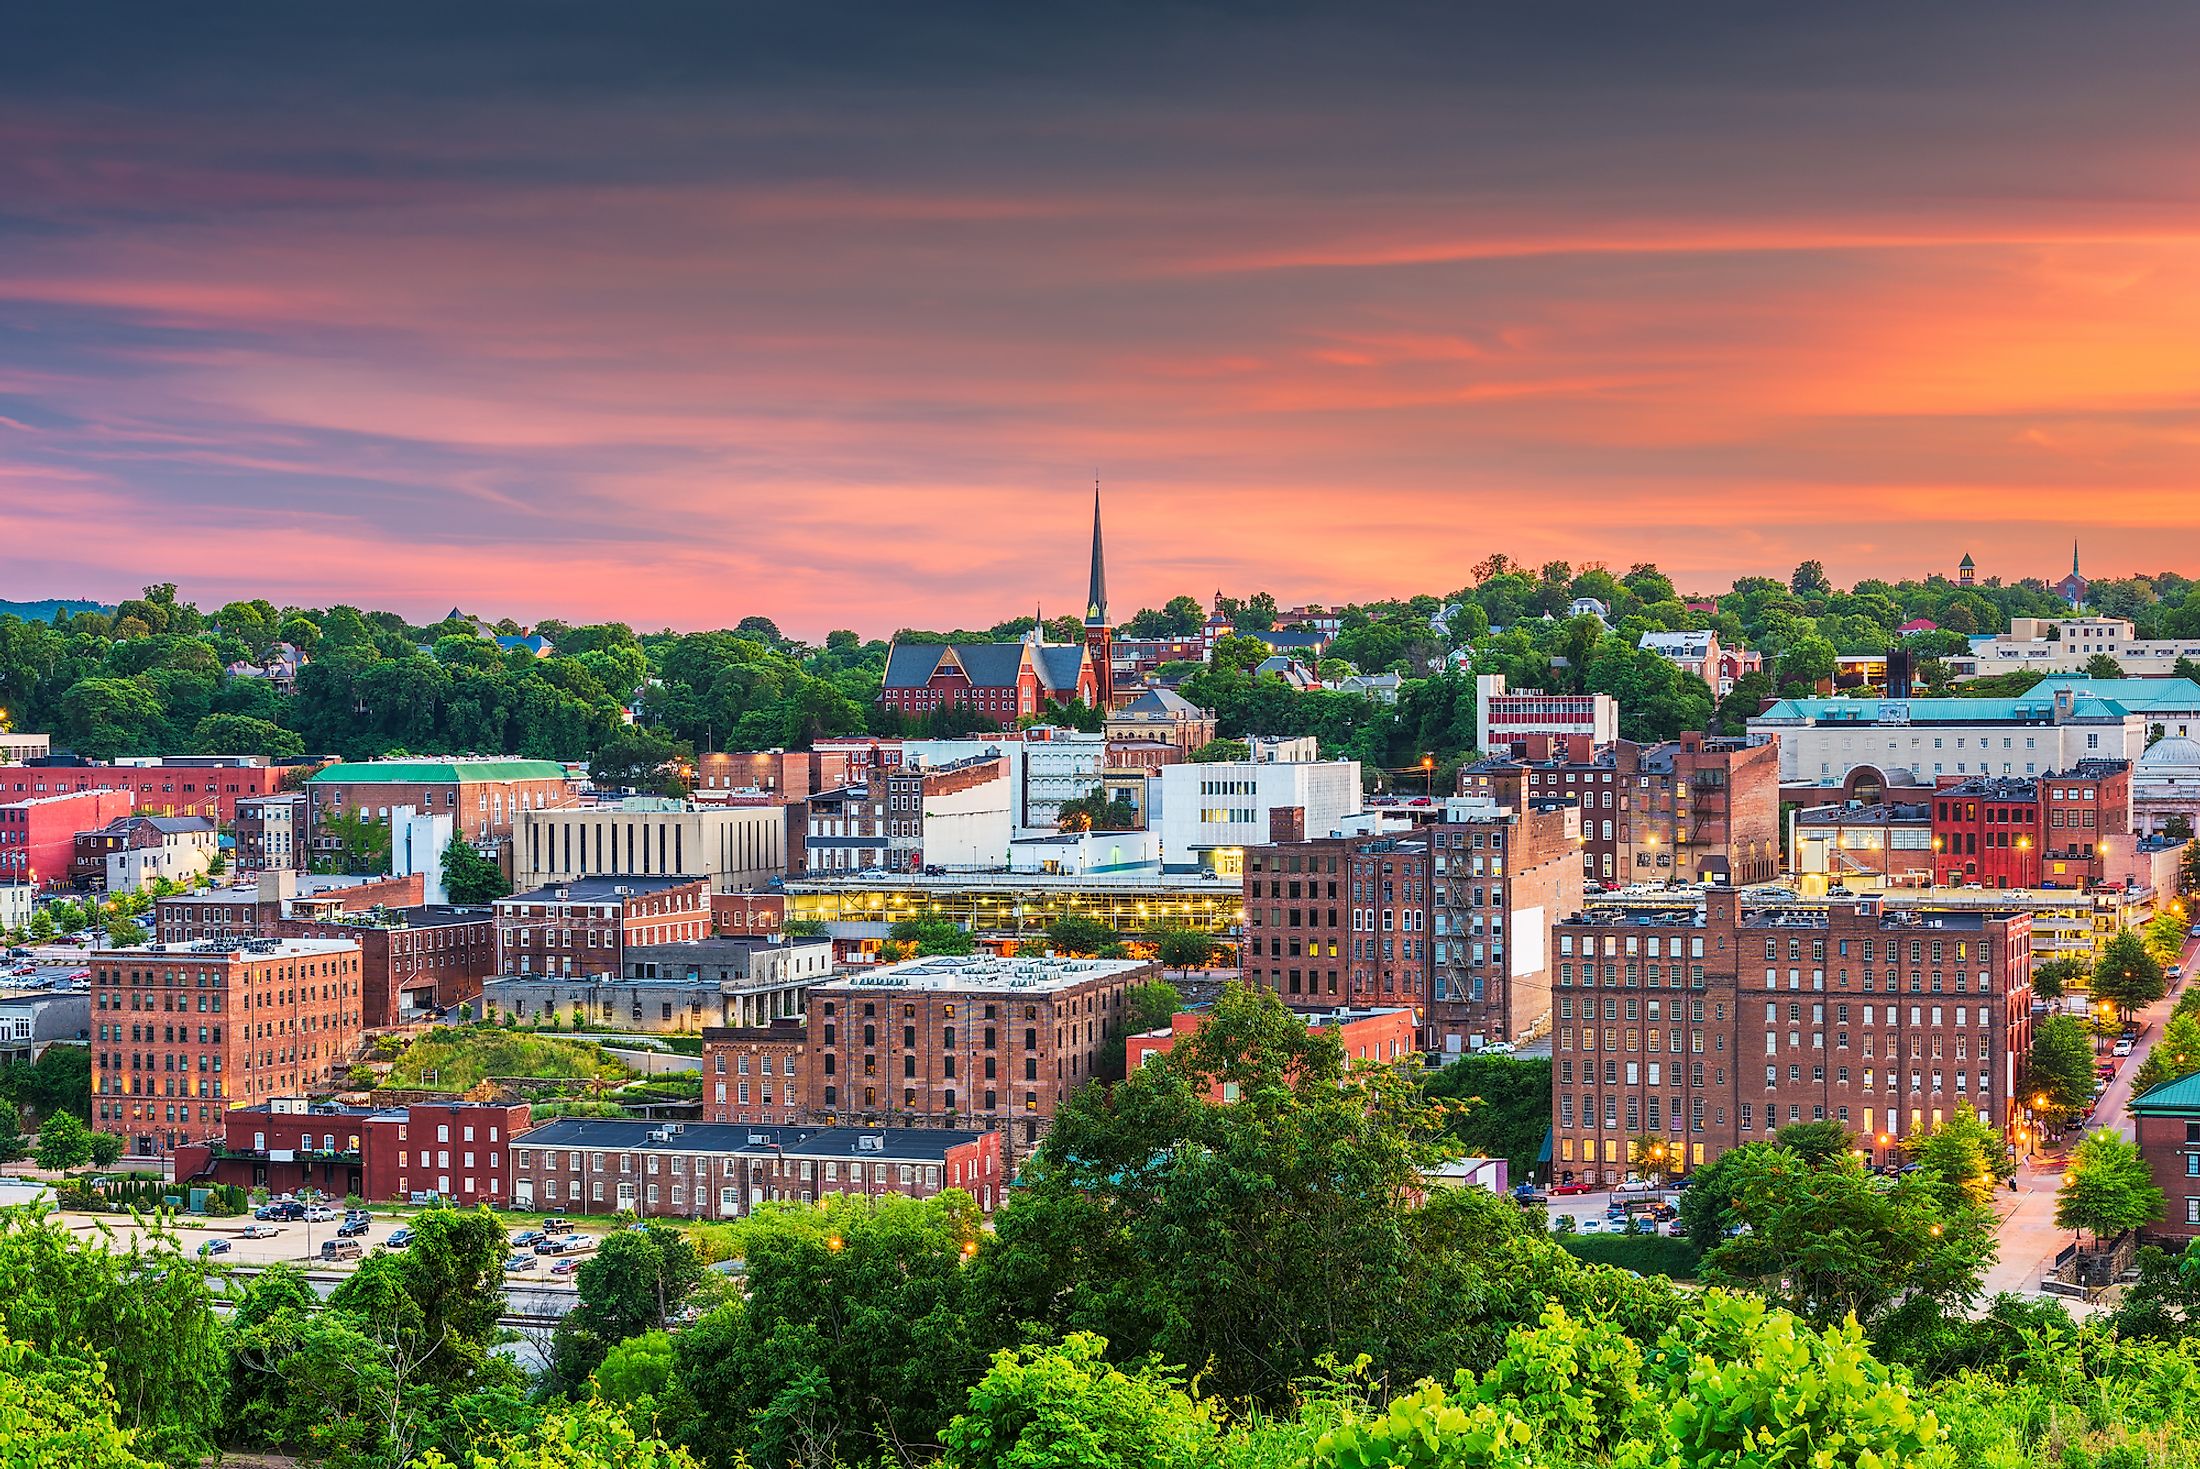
[[1573, 1188]]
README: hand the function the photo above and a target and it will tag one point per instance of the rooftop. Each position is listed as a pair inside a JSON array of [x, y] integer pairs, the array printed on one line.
[[2171, 1098], [603, 888], [900, 1144], [1877, 812], [242, 948], [2032, 708], [435, 772], [983, 972]]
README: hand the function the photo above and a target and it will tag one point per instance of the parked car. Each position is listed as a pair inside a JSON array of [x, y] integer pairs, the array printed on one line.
[[526, 1238], [1561, 1189], [2122, 1048], [342, 1249], [1590, 1225], [285, 1209], [320, 1214], [554, 1225], [215, 1247], [520, 1262], [259, 1231], [564, 1267], [399, 1238], [354, 1228], [1665, 1213]]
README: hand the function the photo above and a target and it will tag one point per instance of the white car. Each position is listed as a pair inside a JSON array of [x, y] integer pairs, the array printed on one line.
[[1590, 1225], [321, 1214], [259, 1231], [2123, 1048]]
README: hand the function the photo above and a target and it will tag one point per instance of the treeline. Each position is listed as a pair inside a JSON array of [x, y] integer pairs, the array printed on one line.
[[1175, 1283]]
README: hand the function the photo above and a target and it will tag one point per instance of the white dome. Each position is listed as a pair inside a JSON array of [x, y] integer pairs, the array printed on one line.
[[2173, 755]]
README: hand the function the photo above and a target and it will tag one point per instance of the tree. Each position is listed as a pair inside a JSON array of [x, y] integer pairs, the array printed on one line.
[[63, 1143], [239, 734], [637, 1370], [1074, 933], [1966, 1153], [1149, 1005], [590, 1435], [125, 932], [2054, 979], [105, 717], [1219, 750], [106, 1149], [2126, 973], [11, 1131], [1809, 580], [1096, 810], [469, 877], [60, 1411], [638, 1282], [439, 1300], [933, 936], [1064, 1407], [1179, 947], [362, 843], [2060, 1066], [1496, 1106], [634, 758], [2103, 665], [1652, 1158], [2176, 1054], [2109, 1189]]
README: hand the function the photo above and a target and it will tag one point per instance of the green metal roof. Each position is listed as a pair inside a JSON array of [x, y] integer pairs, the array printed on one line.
[[2139, 695], [435, 772], [2170, 1098], [2034, 706]]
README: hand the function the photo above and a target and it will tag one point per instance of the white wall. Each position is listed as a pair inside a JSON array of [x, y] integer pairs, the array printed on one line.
[[1828, 752], [969, 828], [416, 845], [1201, 808]]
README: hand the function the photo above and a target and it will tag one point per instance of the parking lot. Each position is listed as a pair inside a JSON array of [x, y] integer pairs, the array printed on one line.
[[298, 1242]]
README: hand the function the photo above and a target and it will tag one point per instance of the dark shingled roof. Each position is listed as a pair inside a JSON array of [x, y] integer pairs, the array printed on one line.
[[899, 1144]]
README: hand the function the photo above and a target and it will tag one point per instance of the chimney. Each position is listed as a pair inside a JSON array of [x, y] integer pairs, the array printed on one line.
[[1286, 824]]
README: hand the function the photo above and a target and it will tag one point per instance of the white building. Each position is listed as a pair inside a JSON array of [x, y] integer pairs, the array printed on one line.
[[417, 843], [1046, 766], [2165, 784], [1505, 716], [1087, 853], [178, 848], [17, 747], [2067, 644], [1209, 814], [18, 900], [737, 848], [1826, 741]]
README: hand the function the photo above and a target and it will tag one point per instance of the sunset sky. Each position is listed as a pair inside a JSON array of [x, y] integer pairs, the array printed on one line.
[[674, 314]]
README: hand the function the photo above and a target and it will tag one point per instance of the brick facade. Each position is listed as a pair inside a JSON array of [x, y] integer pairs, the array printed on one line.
[[414, 960], [584, 927], [753, 1073], [180, 1034], [182, 785], [38, 832]]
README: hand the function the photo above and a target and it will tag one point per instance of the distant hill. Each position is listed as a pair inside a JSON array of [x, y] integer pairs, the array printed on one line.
[[44, 611]]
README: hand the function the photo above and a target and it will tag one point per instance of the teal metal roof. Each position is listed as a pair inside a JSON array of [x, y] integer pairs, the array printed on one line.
[[2170, 1098], [435, 772], [2139, 695], [2036, 705]]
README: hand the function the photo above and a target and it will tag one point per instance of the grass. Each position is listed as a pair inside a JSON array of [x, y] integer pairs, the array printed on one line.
[[460, 1060]]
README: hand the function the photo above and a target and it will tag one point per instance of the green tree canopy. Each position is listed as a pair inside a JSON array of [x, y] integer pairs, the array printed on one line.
[[2109, 1188]]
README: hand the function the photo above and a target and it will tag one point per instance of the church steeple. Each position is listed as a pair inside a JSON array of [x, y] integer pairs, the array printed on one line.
[[1096, 594], [2074, 556]]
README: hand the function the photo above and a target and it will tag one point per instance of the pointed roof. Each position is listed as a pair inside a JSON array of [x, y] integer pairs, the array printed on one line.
[[2171, 1097], [1096, 594], [1967, 561], [2073, 555]]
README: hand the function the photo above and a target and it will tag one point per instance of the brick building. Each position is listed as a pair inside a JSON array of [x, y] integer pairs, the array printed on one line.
[[1882, 844], [2024, 831], [784, 776], [482, 797], [1384, 1036], [180, 1034], [2166, 1122], [177, 785], [1886, 1021], [913, 816], [383, 1154], [584, 927], [753, 1073], [1000, 1042], [38, 833], [1448, 920], [733, 914], [414, 961], [260, 909], [710, 1170], [271, 833], [674, 988], [131, 852]]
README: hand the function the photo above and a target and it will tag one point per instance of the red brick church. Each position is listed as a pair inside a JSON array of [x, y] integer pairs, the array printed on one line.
[[1006, 680]]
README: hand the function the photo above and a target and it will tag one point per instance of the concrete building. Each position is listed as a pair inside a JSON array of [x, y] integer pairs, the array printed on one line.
[[584, 927], [1161, 716], [38, 833], [174, 785], [34, 1013], [2165, 786], [1866, 747], [723, 1171], [2067, 644], [1209, 814], [753, 1073], [483, 798], [678, 987], [1001, 1042], [271, 833], [18, 746], [183, 1033], [1714, 1024], [1077, 853], [732, 848], [1505, 716], [18, 901], [915, 816], [131, 853], [858, 911], [418, 840]]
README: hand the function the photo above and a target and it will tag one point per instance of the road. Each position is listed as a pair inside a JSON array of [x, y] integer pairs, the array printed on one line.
[[2028, 1237]]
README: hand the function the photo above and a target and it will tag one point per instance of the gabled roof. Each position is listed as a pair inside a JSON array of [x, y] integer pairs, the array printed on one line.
[[988, 665], [2171, 1098], [1165, 702]]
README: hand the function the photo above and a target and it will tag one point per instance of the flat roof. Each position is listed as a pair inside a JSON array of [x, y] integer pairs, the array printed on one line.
[[982, 972], [611, 1134], [242, 948], [597, 889]]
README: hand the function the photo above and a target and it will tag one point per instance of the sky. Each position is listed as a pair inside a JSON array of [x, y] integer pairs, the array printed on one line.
[[673, 314]]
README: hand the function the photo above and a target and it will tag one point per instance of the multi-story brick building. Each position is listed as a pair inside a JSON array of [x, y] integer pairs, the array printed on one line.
[[1506, 716], [483, 798], [38, 833], [997, 1041], [785, 776], [271, 833], [177, 785], [1708, 1024], [1698, 808], [1000, 681], [753, 1073], [735, 914], [1448, 920], [456, 1150], [180, 1034], [1385, 1036], [733, 848], [260, 909], [585, 927], [2166, 1122], [711, 1170], [915, 816], [1883, 844], [132, 852], [2024, 831], [414, 961]]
